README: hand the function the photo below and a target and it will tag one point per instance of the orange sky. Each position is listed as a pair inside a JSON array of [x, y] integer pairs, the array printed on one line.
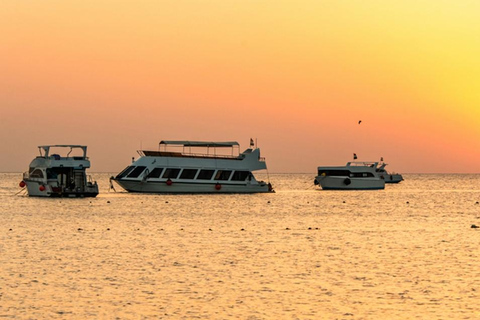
[[296, 75]]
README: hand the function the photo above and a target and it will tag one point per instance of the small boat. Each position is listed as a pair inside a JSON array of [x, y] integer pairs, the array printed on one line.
[[352, 176], [55, 175], [389, 177], [195, 167]]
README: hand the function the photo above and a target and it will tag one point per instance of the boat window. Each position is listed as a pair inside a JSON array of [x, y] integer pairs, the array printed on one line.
[[188, 174], [361, 175], [334, 172], [223, 174], [155, 173], [52, 173], [136, 172], [126, 171], [240, 175], [171, 173], [37, 173], [205, 174]]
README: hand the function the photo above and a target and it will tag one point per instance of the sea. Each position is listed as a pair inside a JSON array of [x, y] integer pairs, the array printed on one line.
[[410, 251]]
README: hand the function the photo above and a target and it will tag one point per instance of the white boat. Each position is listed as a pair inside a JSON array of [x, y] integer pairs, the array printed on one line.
[[55, 175], [352, 176], [389, 177], [211, 167]]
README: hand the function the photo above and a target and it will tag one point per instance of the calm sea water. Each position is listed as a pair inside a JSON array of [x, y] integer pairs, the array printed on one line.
[[405, 252]]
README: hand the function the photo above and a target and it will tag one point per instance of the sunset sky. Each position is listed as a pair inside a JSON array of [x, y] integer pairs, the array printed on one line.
[[295, 75]]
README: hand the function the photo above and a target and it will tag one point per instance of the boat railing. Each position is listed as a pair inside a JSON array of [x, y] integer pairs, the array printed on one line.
[[149, 153], [206, 155]]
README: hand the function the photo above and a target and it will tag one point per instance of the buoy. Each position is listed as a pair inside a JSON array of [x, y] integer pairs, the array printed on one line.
[[22, 184], [169, 182], [218, 186], [41, 188]]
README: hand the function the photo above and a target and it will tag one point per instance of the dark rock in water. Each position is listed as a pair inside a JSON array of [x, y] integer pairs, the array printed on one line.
[[474, 226], [242, 229], [108, 229], [476, 202], [287, 228], [343, 201], [408, 202], [209, 229], [166, 201], [309, 228], [9, 229], [108, 201], [79, 229]]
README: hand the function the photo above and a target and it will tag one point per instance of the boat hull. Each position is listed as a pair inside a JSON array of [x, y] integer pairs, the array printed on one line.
[[392, 178], [178, 187], [41, 189], [348, 183]]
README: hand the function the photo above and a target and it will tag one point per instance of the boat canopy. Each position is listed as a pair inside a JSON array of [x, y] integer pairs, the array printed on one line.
[[46, 149], [204, 144]]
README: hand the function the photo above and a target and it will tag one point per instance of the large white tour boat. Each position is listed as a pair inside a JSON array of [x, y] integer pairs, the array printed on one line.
[[352, 176], [55, 175], [211, 167], [389, 177]]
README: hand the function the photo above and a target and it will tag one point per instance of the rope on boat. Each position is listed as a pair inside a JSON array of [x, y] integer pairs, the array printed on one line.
[[23, 189], [111, 184]]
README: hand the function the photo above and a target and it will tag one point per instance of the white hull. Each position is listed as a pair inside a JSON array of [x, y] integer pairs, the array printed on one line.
[[43, 189], [347, 183], [191, 187]]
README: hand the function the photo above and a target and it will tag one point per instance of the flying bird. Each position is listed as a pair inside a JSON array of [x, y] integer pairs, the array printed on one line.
[[359, 121]]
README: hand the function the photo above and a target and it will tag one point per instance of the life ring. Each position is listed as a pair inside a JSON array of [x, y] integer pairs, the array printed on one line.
[[169, 182], [218, 186], [22, 184], [347, 181], [41, 188]]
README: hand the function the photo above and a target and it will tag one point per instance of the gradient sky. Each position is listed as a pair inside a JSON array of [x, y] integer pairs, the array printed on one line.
[[296, 75]]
